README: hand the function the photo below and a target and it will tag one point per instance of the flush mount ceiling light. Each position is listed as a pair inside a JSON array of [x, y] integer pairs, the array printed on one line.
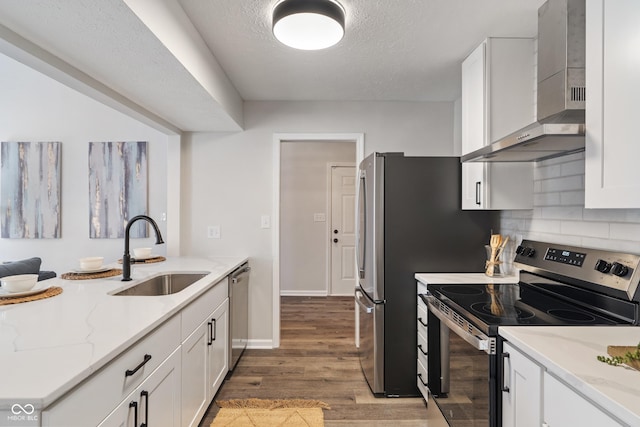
[[308, 24]]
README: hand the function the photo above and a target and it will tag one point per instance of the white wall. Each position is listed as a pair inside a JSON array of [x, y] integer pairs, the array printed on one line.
[[34, 107], [559, 215], [303, 192], [227, 178]]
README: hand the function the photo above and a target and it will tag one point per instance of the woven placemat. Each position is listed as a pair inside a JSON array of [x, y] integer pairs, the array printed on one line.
[[51, 292], [145, 261], [86, 276]]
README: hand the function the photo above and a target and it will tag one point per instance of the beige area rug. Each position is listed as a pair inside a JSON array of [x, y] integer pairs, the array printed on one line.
[[270, 413]]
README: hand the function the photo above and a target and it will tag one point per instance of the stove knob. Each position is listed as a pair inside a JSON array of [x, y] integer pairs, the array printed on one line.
[[603, 266], [519, 250], [619, 269], [528, 252]]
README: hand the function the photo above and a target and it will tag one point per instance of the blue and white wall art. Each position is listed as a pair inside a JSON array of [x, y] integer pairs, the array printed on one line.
[[117, 188], [30, 190]]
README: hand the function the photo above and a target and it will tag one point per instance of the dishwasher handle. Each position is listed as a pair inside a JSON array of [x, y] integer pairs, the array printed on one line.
[[240, 271]]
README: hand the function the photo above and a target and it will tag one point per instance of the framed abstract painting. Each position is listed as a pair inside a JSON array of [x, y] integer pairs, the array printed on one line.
[[30, 190], [117, 188]]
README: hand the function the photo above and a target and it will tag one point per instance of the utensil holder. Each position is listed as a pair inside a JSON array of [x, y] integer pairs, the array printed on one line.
[[497, 264]]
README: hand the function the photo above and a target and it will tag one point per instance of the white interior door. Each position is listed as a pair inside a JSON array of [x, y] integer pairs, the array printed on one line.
[[343, 230]]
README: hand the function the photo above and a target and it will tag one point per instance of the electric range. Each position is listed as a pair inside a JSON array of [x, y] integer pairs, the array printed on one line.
[[559, 285]]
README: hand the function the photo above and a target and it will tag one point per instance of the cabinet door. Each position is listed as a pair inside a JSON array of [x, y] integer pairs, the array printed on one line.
[[612, 177], [474, 131], [473, 186], [195, 352], [155, 402], [218, 357], [522, 386], [565, 407]]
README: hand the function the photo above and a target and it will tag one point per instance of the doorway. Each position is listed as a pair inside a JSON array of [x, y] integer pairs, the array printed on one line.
[[281, 224]]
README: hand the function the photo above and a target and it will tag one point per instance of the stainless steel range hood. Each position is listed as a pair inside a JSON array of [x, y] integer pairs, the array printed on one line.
[[561, 91]]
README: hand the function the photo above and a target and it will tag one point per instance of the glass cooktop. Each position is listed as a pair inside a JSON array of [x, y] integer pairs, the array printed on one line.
[[509, 304]]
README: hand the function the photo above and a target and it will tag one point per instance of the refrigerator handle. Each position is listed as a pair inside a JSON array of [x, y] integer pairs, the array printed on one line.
[[367, 309], [361, 244]]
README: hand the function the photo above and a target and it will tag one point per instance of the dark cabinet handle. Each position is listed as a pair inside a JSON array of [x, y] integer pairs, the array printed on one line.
[[133, 404], [421, 322], [420, 378], [478, 183], [215, 330], [421, 349], [210, 337], [504, 387], [145, 394], [130, 372]]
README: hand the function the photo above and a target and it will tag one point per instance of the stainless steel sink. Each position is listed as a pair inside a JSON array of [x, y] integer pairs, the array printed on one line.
[[165, 284]]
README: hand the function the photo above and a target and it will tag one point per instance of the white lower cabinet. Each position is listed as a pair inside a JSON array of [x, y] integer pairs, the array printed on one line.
[[521, 387], [423, 356], [537, 398], [565, 407], [168, 378], [156, 402]]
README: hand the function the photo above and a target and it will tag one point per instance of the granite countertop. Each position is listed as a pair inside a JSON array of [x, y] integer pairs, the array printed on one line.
[[462, 278], [49, 346], [569, 353]]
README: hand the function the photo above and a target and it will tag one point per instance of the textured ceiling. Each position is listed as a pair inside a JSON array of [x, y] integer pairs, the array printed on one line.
[[407, 50], [393, 50]]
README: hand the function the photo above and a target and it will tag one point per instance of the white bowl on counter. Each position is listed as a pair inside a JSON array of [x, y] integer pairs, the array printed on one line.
[[19, 283], [141, 253], [91, 263]]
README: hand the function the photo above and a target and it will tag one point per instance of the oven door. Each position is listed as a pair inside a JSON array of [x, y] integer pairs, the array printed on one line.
[[466, 393]]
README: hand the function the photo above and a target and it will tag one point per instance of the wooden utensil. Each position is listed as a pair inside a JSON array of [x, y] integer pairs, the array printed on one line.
[[494, 243], [502, 246]]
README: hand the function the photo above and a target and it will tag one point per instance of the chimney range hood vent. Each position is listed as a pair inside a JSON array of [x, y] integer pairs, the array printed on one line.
[[561, 91]]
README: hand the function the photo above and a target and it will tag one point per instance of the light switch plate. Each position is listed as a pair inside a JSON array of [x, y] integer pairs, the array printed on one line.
[[319, 217], [213, 232], [265, 221]]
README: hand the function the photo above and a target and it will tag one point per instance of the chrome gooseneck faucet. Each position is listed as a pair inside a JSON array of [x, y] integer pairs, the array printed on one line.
[[126, 258]]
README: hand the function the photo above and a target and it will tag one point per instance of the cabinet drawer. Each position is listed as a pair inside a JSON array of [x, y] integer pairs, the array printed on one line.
[[422, 380], [422, 349], [422, 320], [197, 311], [96, 397]]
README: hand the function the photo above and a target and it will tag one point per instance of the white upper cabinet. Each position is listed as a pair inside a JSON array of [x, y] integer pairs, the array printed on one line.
[[498, 98], [612, 176]]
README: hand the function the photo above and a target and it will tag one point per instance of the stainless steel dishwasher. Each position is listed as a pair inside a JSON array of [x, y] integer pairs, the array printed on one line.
[[239, 313]]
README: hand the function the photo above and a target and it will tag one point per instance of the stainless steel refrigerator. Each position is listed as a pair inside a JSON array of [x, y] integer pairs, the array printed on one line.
[[410, 220]]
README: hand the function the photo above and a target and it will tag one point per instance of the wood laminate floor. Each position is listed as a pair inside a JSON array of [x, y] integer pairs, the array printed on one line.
[[317, 359]]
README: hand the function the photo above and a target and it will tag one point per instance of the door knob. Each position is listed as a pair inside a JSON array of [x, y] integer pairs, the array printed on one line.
[[335, 231], [335, 240]]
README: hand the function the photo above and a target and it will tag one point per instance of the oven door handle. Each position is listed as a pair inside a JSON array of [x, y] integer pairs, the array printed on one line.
[[482, 342]]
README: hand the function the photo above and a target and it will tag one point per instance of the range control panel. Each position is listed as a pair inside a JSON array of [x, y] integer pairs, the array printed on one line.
[[609, 269], [565, 257]]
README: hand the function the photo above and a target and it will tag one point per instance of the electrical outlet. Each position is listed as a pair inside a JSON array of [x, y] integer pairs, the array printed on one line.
[[319, 217], [213, 232], [265, 221]]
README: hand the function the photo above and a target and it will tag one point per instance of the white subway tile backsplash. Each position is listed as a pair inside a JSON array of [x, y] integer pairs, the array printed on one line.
[[559, 215], [561, 212], [575, 167], [571, 198], [547, 172], [566, 183], [586, 229], [546, 199], [625, 231]]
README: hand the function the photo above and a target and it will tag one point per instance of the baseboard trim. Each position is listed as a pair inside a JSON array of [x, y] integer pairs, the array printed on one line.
[[260, 344], [294, 293]]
